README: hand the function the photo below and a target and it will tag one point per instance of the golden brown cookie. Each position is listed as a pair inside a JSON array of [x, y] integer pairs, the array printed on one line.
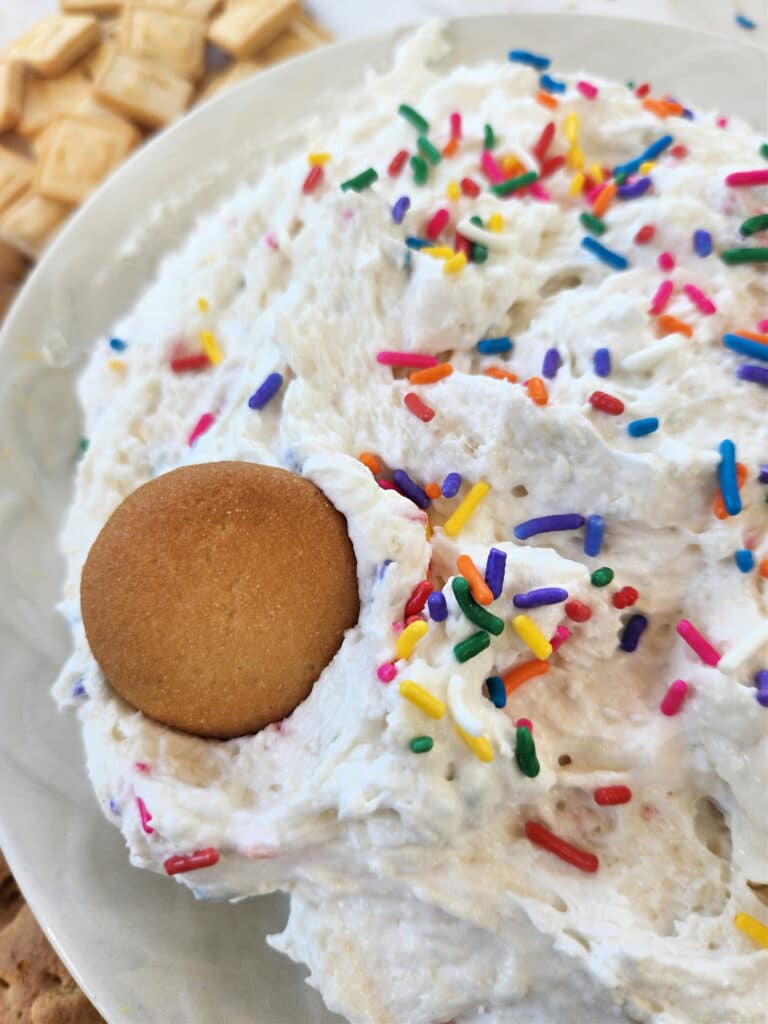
[[215, 595]]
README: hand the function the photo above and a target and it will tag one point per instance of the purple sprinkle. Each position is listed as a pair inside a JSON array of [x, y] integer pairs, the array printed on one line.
[[78, 689], [633, 630], [544, 595], [551, 363], [438, 608], [593, 538], [410, 489], [114, 809], [761, 681], [383, 568], [702, 242], [451, 485], [634, 189], [763, 475], [495, 566], [266, 391], [755, 374], [602, 362], [548, 524], [400, 209]]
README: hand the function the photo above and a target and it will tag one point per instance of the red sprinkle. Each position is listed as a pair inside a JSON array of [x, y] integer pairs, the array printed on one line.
[[462, 244], [609, 796], [524, 723], [580, 859], [645, 234], [551, 165], [470, 188], [679, 152], [312, 180], [418, 598], [397, 163], [415, 405], [544, 142], [181, 364], [437, 222], [625, 597], [606, 403], [386, 485], [578, 611], [191, 861], [145, 816], [455, 125], [642, 90], [205, 423]]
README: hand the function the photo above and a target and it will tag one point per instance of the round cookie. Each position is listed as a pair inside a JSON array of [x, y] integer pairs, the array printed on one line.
[[215, 595]]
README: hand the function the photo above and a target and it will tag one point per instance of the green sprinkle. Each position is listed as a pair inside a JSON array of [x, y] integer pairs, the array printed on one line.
[[473, 611], [489, 137], [471, 646], [84, 445], [479, 253], [477, 221], [592, 223], [764, 150], [734, 256], [360, 181], [630, 85], [421, 124], [621, 177], [505, 188], [754, 224], [421, 744], [428, 150], [525, 752], [420, 170], [601, 577]]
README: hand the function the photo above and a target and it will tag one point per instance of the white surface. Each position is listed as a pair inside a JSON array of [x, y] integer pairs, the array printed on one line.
[[142, 948]]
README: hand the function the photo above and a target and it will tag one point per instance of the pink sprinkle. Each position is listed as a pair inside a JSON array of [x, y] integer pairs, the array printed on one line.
[[701, 301], [491, 169], [674, 697], [437, 222], [538, 191], [272, 241], [696, 641], [386, 672], [386, 485], [455, 125], [389, 357], [667, 261], [587, 89], [740, 178], [722, 122], [763, 327], [661, 298], [593, 193], [524, 723], [145, 816], [562, 633], [205, 423], [142, 766]]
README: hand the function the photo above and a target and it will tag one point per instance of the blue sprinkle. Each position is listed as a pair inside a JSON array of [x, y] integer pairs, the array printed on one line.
[[763, 475], [745, 347], [451, 485], [745, 560], [549, 84], [593, 537], [634, 189], [497, 693], [494, 346], [639, 428], [602, 362], [755, 374], [702, 242], [650, 153], [633, 630], [78, 690], [438, 608], [546, 524], [114, 809], [551, 363], [761, 682], [266, 391], [381, 571], [400, 209], [744, 22], [410, 488], [688, 114], [726, 472], [495, 567], [607, 256], [533, 60], [541, 596], [417, 243], [118, 345]]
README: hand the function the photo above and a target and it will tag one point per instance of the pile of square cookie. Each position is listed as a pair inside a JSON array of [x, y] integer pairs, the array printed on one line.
[[81, 89]]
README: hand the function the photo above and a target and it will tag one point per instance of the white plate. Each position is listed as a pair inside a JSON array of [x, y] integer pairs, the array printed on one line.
[[141, 947]]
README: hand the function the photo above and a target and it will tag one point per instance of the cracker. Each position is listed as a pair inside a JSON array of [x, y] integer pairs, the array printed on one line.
[[15, 175], [13, 266], [174, 40], [11, 94], [194, 8], [78, 156], [302, 34], [142, 90], [53, 44], [233, 75], [244, 28], [91, 108], [29, 223], [91, 6], [45, 100], [97, 58]]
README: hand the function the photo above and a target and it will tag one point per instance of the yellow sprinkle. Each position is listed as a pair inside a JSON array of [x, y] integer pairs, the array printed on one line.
[[202, 305], [318, 159], [456, 522], [453, 190], [575, 158], [577, 184], [455, 264], [479, 745], [409, 638], [532, 636], [571, 129], [428, 529], [117, 365], [753, 928], [439, 252], [647, 167], [30, 356], [422, 698], [596, 173], [496, 222], [211, 347]]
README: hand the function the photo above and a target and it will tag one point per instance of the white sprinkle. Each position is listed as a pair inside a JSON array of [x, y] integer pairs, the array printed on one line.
[[471, 725], [648, 357], [744, 648], [490, 239]]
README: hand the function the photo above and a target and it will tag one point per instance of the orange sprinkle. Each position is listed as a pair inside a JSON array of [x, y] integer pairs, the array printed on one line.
[[761, 339], [546, 100], [373, 462], [671, 325], [763, 568], [718, 506], [537, 389], [663, 108], [512, 166], [433, 491], [480, 590], [498, 374], [604, 200], [520, 674], [431, 374], [449, 149]]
